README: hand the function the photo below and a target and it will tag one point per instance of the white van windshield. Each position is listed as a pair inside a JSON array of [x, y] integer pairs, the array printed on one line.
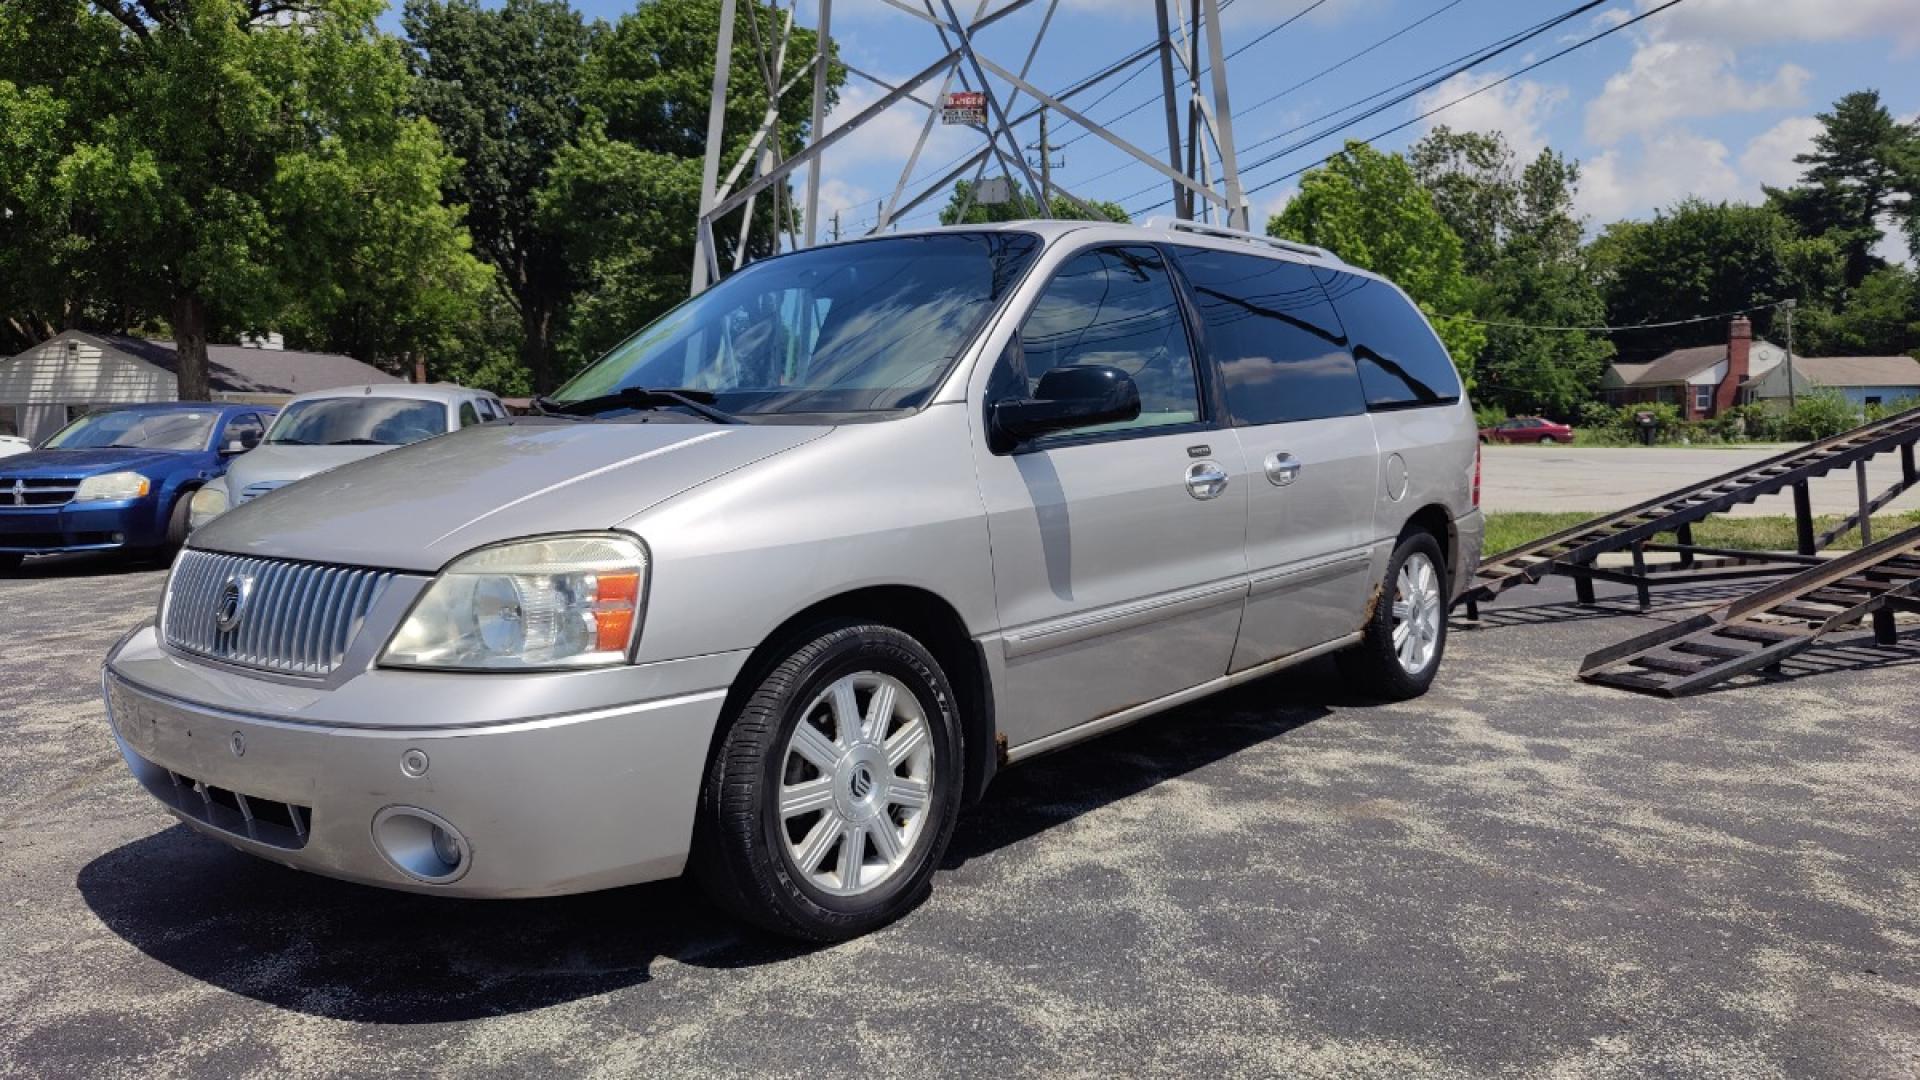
[[854, 328]]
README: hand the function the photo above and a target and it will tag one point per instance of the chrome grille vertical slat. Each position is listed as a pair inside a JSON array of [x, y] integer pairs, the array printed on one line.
[[300, 619]]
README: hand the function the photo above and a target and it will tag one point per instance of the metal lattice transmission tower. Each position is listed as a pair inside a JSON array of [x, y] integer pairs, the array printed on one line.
[[1193, 95]]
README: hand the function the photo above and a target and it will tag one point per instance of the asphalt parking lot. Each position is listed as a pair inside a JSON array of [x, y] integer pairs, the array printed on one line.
[[1515, 875]]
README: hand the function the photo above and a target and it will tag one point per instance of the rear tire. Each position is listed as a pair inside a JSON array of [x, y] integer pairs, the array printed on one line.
[[1406, 635], [834, 790], [10, 560]]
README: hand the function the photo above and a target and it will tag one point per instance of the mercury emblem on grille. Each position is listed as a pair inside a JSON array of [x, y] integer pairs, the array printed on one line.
[[233, 602], [19, 493]]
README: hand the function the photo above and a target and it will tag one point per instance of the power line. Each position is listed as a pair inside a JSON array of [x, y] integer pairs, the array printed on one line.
[[1450, 68], [1262, 36], [1581, 44], [1316, 76], [1619, 329], [1309, 80]]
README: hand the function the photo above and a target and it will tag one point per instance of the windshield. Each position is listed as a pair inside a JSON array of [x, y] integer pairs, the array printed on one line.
[[358, 421], [853, 328], [144, 428]]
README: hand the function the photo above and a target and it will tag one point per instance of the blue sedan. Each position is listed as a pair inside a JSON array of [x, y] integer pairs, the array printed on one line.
[[120, 478]]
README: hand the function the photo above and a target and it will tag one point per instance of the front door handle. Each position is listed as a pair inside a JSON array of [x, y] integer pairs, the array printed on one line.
[[1206, 479], [1282, 469]]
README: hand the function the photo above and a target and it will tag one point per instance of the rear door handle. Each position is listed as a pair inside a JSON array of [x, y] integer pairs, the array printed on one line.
[[1282, 469], [1206, 479]]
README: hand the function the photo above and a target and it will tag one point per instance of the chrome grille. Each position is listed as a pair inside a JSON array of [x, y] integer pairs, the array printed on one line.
[[298, 618], [37, 490]]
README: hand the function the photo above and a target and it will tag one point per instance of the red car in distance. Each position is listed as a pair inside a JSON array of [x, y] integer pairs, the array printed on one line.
[[1527, 429]]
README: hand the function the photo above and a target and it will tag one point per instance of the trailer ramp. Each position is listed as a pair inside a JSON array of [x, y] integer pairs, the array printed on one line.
[[1573, 551], [1763, 628]]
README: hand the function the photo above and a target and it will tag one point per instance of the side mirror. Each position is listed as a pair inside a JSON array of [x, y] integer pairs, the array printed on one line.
[[1074, 396]]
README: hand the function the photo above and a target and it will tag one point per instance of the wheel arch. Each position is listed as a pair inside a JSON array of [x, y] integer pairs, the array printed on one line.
[[1434, 520], [929, 619]]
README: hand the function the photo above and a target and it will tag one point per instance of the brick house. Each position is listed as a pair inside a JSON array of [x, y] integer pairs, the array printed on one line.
[[1701, 382]]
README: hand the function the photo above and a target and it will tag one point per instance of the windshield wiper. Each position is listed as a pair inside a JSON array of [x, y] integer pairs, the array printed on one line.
[[639, 397], [359, 442]]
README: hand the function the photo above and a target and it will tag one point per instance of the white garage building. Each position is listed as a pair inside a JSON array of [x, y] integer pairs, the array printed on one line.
[[76, 372]]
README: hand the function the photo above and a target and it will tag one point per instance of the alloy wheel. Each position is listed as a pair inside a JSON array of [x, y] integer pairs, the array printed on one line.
[[1417, 611], [856, 783]]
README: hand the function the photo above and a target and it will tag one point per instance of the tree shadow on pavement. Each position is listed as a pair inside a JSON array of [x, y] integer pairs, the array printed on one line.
[[350, 952]]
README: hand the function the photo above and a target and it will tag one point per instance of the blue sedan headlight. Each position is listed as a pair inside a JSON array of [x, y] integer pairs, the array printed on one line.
[[112, 487]]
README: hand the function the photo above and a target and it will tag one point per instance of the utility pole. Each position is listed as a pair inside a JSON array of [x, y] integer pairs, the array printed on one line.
[[1046, 164], [836, 226], [1792, 395]]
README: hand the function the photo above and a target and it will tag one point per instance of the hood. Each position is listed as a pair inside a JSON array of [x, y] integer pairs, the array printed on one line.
[[418, 507], [276, 464], [91, 462]]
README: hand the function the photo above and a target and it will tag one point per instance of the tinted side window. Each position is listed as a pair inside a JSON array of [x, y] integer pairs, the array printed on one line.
[[1275, 337], [1116, 306], [468, 417], [1401, 362]]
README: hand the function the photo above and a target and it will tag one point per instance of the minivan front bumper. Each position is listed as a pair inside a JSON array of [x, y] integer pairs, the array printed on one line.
[[543, 805]]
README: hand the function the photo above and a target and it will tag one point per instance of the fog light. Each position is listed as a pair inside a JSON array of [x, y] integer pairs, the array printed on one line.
[[421, 844]]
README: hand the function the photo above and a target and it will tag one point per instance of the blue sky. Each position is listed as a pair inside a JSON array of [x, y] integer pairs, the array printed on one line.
[[1713, 97]]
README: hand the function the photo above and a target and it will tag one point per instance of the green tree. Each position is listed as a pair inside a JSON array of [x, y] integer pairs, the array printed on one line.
[[225, 162], [1470, 176], [502, 83], [1695, 258], [1368, 208], [1864, 166], [1879, 318], [1019, 206], [1542, 277]]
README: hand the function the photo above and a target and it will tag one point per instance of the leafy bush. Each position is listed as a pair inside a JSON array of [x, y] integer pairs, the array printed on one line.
[[1760, 423], [1598, 415], [1819, 415], [1488, 415], [1891, 408]]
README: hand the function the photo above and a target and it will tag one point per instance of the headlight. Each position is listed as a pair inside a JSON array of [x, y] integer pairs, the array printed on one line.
[[207, 503], [559, 602], [115, 486]]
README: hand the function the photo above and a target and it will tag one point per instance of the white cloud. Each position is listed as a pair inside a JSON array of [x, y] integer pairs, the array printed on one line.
[[889, 137], [1752, 22], [1663, 170], [1263, 212], [1515, 110], [1768, 159], [1669, 80]]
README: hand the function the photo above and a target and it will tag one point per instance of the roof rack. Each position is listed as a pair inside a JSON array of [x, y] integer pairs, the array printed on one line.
[[1202, 229]]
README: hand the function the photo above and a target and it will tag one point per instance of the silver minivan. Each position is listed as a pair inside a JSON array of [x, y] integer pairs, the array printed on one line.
[[772, 590]]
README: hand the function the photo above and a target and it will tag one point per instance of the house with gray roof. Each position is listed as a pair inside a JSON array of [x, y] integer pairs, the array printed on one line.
[[75, 372], [1707, 380], [1862, 380]]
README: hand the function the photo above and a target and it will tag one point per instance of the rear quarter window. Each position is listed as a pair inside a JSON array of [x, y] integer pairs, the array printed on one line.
[[1402, 363], [1275, 337]]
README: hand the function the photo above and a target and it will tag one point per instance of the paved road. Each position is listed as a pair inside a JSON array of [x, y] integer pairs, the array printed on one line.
[[1601, 478], [1517, 875]]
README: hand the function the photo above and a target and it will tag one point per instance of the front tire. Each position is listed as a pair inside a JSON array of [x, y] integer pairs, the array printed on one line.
[[11, 560], [834, 790], [1548, 439], [1404, 639]]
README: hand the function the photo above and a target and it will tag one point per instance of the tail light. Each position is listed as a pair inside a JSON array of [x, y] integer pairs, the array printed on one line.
[[1476, 476]]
